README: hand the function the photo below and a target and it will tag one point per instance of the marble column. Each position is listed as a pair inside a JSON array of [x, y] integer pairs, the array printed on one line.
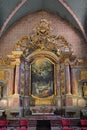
[[67, 79], [27, 80], [58, 87], [58, 81], [17, 78], [11, 86], [74, 81]]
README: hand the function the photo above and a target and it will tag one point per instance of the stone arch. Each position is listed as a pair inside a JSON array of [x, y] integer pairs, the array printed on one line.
[[42, 53]]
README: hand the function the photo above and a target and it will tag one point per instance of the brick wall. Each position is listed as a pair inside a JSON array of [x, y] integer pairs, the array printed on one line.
[[59, 26]]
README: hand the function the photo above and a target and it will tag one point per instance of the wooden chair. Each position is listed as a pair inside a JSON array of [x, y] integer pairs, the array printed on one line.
[[83, 123], [23, 123]]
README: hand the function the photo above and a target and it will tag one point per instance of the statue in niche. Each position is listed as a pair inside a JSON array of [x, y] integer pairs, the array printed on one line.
[[0, 91], [85, 89]]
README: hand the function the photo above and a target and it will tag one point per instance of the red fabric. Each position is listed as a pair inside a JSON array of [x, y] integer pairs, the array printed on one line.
[[84, 128], [3, 128], [83, 122], [23, 123], [4, 123], [65, 122]]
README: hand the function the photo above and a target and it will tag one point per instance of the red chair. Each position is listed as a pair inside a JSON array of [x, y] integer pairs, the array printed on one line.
[[23, 123], [83, 123], [22, 129], [3, 128], [84, 128], [3, 123], [65, 122]]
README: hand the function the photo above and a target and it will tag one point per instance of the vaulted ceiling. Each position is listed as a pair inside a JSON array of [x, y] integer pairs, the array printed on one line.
[[75, 11]]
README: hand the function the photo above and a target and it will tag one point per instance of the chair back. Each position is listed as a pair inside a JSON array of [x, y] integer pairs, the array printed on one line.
[[3, 128], [23, 123], [84, 129], [65, 122], [3, 123], [83, 122]]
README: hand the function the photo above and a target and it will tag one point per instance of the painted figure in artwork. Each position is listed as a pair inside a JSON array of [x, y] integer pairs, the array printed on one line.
[[42, 78]]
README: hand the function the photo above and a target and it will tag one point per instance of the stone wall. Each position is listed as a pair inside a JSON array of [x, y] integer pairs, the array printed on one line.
[[25, 26]]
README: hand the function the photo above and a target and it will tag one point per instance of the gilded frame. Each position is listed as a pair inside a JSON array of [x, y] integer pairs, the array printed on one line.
[[49, 100]]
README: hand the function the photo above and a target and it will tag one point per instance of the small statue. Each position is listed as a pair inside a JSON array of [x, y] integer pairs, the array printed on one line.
[[85, 89], [0, 91]]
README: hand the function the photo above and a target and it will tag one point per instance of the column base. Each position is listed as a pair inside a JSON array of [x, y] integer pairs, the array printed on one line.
[[13, 105], [68, 101]]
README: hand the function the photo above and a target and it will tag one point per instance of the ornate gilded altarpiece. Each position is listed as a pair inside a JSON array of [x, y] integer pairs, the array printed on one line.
[[37, 75], [42, 64]]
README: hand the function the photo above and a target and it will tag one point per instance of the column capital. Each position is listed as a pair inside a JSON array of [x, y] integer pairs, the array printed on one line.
[[17, 62], [66, 62], [13, 65], [58, 67]]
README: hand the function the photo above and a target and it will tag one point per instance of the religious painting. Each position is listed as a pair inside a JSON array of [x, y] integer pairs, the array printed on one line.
[[42, 78]]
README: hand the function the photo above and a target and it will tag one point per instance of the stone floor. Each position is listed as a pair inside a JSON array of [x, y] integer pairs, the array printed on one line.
[[34, 128]]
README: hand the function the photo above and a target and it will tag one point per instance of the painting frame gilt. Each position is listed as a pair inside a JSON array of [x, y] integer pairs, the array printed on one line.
[[42, 78]]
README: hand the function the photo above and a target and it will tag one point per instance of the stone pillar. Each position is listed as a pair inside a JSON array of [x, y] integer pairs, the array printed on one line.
[[68, 100], [58, 80], [27, 80], [74, 81], [11, 86], [67, 78], [58, 97], [17, 78]]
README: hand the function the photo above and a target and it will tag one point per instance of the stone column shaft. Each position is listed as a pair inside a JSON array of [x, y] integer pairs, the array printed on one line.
[[67, 79], [16, 79], [58, 83], [11, 84], [74, 82]]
